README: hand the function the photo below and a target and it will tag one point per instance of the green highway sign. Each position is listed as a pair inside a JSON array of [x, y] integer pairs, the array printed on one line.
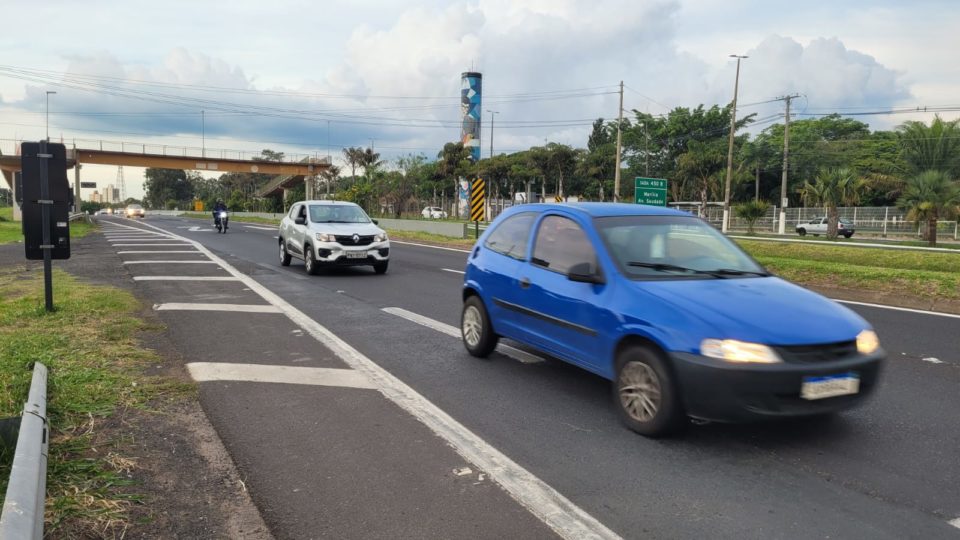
[[652, 191]]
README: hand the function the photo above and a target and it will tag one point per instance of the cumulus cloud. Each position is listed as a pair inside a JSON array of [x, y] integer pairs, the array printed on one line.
[[534, 46]]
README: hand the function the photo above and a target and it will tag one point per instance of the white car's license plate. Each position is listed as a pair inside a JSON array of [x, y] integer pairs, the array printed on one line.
[[830, 386], [356, 254]]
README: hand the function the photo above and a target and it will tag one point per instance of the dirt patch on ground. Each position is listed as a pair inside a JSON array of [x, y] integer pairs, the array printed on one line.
[[183, 479]]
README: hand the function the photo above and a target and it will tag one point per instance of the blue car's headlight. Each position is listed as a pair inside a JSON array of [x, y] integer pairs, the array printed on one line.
[[867, 342], [732, 350]]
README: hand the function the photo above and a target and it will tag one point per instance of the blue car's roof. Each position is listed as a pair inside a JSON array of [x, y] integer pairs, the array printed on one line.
[[599, 209]]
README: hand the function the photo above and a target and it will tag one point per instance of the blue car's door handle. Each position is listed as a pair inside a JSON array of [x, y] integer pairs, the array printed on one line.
[[524, 283]]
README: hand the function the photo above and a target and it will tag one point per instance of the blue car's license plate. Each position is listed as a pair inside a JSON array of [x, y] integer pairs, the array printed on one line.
[[830, 386]]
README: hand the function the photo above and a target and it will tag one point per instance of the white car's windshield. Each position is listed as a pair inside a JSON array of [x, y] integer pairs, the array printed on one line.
[[328, 213], [653, 247]]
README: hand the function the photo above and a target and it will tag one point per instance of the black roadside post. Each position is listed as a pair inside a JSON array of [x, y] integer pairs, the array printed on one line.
[[46, 199]]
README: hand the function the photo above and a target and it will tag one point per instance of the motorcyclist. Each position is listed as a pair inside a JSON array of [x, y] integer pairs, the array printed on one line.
[[217, 208]]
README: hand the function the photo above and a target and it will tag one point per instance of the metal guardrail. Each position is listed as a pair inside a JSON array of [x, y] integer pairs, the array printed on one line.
[[23, 505]]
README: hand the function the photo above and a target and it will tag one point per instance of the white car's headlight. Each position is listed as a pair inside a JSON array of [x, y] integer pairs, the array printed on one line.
[[324, 237], [732, 350], [867, 342], [382, 237]]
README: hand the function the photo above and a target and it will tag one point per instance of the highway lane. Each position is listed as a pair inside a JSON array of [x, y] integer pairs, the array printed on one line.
[[885, 470]]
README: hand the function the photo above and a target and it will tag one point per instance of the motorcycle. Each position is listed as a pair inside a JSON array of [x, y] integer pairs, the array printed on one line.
[[221, 222]]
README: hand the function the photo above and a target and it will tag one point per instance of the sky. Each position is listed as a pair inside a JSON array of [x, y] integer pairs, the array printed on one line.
[[311, 77]]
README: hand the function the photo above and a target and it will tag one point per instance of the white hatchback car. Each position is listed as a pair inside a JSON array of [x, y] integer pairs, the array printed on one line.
[[332, 233], [433, 212]]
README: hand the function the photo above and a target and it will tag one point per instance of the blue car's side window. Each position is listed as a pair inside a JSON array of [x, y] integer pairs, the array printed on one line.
[[561, 244], [511, 237]]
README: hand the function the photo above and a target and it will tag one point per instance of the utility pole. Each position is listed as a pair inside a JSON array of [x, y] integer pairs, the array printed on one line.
[[646, 151], [733, 128], [48, 113], [616, 174], [491, 129], [782, 228]]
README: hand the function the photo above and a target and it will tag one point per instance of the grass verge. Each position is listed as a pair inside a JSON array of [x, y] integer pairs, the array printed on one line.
[[872, 257], [430, 239], [89, 343], [12, 231]]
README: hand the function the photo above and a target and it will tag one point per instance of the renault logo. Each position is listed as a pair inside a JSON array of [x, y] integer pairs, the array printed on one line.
[[356, 238]]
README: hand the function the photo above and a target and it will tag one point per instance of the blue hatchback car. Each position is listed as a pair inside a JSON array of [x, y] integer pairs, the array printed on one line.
[[682, 321]]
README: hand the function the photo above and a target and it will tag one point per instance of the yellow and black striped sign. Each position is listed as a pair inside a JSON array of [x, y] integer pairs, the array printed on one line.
[[558, 199], [478, 199]]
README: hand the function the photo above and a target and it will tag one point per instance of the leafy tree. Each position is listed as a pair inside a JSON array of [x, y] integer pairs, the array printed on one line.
[[453, 162], [370, 161], [702, 166], [329, 176], [269, 155], [757, 155], [832, 188], [929, 196], [165, 185], [561, 162], [354, 157], [751, 212]]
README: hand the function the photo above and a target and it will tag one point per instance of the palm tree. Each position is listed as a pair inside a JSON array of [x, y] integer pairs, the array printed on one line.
[[831, 188], [354, 157], [929, 196], [755, 154], [931, 148], [751, 212], [369, 160]]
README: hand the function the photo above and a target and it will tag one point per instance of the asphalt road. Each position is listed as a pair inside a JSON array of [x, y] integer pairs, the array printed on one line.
[[889, 469]]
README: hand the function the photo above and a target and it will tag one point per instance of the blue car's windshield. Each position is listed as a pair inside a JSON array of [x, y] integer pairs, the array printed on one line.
[[656, 247], [330, 213]]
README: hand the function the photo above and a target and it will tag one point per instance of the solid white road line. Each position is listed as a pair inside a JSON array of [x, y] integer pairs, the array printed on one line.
[[556, 511], [184, 278], [237, 308], [452, 331], [429, 246], [850, 244], [896, 308], [347, 378], [158, 251], [169, 262], [461, 272], [274, 229]]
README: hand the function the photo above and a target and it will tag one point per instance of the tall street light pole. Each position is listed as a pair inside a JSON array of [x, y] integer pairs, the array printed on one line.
[[203, 133], [491, 129], [616, 174], [48, 113], [733, 127]]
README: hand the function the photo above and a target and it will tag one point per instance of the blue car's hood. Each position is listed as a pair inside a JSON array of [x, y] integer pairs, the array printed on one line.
[[762, 310]]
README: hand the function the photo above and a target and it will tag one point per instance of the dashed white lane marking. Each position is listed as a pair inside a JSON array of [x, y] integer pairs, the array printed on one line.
[[547, 504], [237, 308], [896, 308], [169, 262], [209, 371], [141, 239], [461, 272], [184, 278], [158, 251], [933, 360], [955, 522], [429, 246], [880, 306], [452, 331], [261, 228], [181, 244]]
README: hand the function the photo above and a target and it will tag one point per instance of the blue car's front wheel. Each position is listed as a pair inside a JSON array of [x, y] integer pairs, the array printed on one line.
[[645, 393], [475, 328]]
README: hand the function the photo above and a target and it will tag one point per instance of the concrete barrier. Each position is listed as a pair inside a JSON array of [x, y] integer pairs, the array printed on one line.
[[452, 229]]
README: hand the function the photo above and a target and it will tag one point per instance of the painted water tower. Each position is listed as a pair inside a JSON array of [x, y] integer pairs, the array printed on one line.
[[470, 91]]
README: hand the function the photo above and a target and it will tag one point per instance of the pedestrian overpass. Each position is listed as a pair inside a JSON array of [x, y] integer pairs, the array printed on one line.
[[287, 173]]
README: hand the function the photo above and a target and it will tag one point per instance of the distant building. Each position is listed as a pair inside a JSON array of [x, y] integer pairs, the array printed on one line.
[[112, 194], [96, 197]]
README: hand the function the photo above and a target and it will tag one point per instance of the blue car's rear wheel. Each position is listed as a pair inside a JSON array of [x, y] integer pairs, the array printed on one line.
[[475, 328], [645, 393]]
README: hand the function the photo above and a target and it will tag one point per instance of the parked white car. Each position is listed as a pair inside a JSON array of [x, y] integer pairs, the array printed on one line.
[[433, 212], [818, 226], [332, 233]]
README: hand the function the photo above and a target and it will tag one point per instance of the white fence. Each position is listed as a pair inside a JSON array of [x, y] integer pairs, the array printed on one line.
[[867, 220]]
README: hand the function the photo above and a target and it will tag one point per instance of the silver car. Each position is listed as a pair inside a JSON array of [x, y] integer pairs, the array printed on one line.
[[332, 233]]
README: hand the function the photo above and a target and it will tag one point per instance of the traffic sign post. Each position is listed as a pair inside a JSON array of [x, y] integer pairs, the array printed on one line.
[[478, 201], [46, 200], [652, 191]]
